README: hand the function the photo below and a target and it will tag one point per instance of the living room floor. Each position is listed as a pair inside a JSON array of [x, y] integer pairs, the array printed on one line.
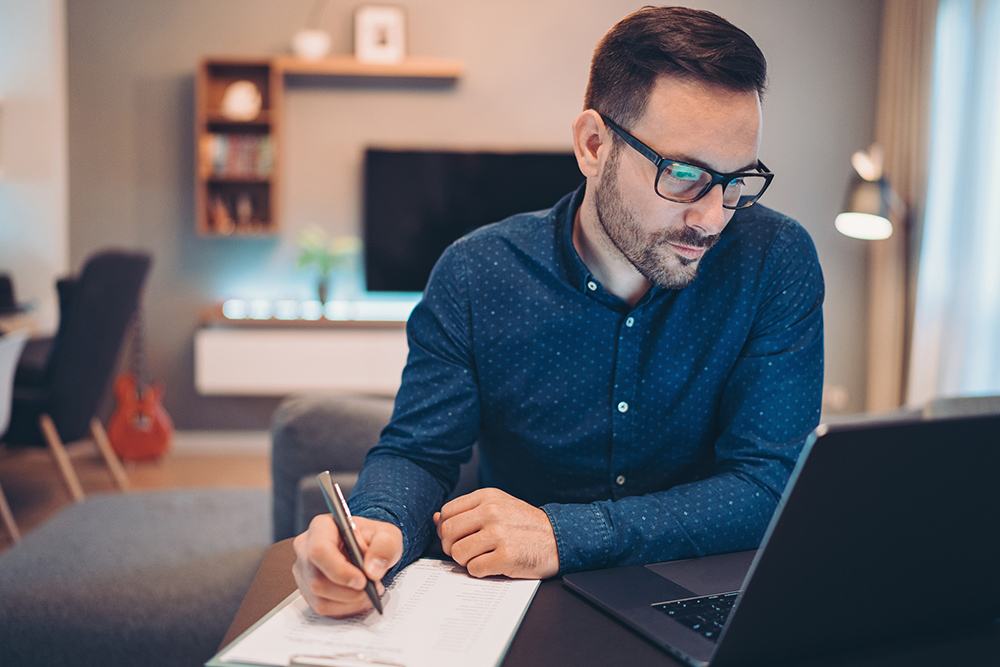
[[35, 490]]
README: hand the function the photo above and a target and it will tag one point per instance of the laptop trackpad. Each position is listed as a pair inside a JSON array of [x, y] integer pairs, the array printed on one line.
[[708, 575]]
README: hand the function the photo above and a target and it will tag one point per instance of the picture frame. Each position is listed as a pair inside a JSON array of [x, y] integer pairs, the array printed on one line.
[[380, 34]]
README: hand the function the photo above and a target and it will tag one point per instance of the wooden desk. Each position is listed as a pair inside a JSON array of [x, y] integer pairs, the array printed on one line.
[[561, 629]]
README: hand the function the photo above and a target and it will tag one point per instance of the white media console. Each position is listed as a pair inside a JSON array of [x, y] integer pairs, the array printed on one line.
[[275, 357]]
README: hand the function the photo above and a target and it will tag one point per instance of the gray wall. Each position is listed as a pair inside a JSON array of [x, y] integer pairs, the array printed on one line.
[[130, 73]]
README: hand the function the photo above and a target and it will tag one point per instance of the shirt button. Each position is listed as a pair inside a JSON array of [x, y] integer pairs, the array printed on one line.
[[630, 321], [592, 286], [620, 480], [623, 407]]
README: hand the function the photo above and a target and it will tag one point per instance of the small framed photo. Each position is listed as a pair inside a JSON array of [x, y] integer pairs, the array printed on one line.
[[379, 34]]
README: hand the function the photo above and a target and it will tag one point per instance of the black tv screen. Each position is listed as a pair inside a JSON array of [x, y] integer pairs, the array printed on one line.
[[417, 202]]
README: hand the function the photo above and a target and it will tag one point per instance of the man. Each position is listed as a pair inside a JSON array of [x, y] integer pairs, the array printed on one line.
[[640, 365]]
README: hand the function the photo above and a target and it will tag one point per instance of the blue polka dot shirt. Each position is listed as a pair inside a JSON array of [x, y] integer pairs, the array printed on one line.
[[646, 433]]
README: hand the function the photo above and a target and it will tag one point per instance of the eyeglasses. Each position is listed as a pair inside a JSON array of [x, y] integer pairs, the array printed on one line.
[[685, 183]]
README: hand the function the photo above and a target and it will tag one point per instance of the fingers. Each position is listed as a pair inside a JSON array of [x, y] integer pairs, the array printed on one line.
[[326, 578], [491, 532], [472, 525], [323, 574], [486, 564], [465, 503], [468, 548], [324, 551], [461, 526], [328, 599], [384, 549], [465, 515]]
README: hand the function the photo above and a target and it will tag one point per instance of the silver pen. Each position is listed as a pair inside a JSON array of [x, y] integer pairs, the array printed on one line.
[[345, 524]]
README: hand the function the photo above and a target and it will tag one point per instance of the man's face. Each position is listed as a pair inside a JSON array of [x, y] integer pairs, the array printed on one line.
[[689, 122]]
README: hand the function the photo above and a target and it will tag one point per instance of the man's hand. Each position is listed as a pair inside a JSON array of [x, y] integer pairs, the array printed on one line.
[[490, 532], [328, 581]]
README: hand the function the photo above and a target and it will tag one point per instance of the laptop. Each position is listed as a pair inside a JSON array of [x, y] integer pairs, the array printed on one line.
[[884, 530]]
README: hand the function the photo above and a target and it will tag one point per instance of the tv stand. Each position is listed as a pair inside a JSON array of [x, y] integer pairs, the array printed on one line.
[[273, 357]]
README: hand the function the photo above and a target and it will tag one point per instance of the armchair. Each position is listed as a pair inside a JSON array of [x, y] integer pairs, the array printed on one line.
[[57, 401]]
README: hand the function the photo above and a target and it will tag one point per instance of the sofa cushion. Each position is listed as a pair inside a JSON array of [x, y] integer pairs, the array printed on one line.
[[132, 579], [311, 433]]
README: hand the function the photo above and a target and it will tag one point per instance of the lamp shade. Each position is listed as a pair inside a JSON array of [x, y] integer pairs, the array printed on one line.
[[866, 212]]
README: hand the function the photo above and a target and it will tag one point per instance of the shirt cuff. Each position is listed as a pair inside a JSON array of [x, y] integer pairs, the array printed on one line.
[[583, 534]]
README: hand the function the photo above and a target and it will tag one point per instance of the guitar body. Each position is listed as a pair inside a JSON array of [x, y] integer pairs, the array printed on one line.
[[140, 429]]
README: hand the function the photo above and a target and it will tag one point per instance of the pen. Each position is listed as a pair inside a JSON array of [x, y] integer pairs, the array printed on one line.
[[345, 524]]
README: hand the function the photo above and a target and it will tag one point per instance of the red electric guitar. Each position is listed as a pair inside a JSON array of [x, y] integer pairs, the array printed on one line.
[[140, 429]]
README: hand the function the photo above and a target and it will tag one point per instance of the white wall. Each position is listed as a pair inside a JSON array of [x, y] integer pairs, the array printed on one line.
[[34, 228]]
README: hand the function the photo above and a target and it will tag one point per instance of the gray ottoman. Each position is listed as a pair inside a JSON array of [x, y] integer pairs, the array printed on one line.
[[132, 579]]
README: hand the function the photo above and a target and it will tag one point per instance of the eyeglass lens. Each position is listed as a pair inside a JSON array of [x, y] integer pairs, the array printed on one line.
[[684, 182]]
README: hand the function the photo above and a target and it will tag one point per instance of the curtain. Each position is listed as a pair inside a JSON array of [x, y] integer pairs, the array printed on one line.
[[901, 129], [956, 340]]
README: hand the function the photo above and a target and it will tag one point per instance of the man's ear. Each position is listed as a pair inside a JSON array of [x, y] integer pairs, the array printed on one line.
[[587, 128]]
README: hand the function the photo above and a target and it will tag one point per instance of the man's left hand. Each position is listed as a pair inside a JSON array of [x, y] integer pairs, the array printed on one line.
[[490, 532]]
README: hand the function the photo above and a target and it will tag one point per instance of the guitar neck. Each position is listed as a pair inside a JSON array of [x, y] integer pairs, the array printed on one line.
[[139, 352]]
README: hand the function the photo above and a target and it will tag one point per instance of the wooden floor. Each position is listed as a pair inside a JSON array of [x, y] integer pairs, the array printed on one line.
[[35, 489]]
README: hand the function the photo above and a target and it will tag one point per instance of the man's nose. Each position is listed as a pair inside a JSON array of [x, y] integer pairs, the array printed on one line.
[[707, 215]]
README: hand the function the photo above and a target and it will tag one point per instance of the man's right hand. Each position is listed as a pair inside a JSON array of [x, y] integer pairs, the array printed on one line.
[[326, 578]]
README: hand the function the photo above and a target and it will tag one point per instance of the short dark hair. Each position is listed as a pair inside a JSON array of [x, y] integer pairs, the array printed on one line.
[[690, 44]]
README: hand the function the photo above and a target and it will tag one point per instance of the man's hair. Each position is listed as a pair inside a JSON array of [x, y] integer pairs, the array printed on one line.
[[689, 44]]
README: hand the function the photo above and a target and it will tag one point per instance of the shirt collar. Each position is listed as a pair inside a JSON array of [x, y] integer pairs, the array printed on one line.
[[577, 273]]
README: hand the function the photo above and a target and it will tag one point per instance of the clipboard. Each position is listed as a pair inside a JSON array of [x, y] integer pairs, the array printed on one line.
[[436, 614], [215, 662]]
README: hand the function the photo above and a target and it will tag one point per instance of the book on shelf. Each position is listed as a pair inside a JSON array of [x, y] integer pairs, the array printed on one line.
[[236, 155]]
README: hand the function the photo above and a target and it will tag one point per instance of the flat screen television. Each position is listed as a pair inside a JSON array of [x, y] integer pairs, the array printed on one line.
[[416, 202]]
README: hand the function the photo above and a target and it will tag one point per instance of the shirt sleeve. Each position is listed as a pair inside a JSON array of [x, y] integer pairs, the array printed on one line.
[[770, 403], [435, 421]]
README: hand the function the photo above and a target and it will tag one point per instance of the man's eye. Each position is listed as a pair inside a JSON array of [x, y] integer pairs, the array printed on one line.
[[684, 173]]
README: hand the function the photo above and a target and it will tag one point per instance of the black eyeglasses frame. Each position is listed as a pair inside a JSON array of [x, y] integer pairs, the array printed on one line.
[[662, 163]]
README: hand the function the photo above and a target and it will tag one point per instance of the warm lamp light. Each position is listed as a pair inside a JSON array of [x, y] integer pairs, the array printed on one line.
[[869, 200], [864, 226]]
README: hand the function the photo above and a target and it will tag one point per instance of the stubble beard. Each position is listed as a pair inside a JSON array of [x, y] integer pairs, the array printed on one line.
[[649, 252]]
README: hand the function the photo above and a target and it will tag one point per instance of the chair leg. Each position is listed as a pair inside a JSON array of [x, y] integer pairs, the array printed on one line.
[[103, 444], [58, 451], [8, 517]]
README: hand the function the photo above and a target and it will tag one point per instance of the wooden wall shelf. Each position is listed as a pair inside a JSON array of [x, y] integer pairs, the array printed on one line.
[[238, 163], [413, 68]]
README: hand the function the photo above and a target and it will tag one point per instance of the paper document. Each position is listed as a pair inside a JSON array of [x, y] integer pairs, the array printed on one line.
[[436, 615]]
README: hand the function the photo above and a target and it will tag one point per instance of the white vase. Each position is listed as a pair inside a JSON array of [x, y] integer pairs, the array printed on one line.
[[311, 44]]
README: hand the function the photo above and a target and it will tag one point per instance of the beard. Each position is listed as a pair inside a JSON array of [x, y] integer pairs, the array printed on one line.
[[648, 251]]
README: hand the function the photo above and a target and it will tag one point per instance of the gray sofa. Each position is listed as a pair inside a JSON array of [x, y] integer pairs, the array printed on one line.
[[313, 433]]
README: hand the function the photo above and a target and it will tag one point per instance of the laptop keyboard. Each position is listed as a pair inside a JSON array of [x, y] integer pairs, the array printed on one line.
[[705, 615]]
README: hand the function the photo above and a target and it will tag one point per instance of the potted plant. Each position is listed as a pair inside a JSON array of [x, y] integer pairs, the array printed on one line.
[[326, 255]]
